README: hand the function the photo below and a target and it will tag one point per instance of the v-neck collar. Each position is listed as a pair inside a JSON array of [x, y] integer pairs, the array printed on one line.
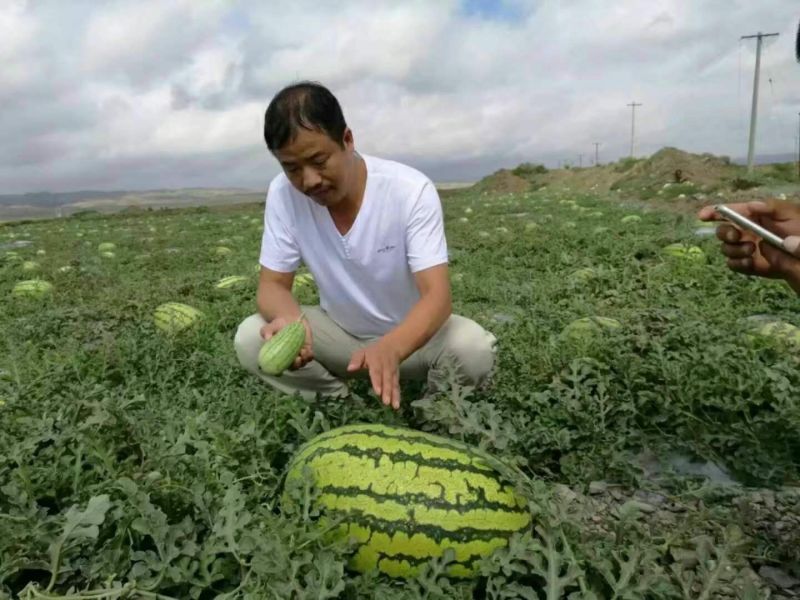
[[344, 236]]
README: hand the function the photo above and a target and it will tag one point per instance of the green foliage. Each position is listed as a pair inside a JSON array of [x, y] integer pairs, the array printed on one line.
[[138, 465], [744, 183], [783, 172], [527, 169]]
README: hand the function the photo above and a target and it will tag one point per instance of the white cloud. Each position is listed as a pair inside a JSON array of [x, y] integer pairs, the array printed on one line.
[[156, 93]]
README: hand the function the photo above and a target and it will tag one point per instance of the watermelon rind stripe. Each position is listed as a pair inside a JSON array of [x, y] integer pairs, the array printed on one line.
[[445, 520], [420, 561], [377, 441], [425, 500], [438, 535], [459, 482], [376, 454], [384, 432]]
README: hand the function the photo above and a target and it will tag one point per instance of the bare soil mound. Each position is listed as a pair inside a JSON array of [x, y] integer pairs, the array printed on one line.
[[670, 175], [503, 182], [672, 166]]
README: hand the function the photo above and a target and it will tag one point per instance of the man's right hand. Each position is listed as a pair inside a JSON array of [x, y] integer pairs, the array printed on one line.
[[306, 354], [750, 255]]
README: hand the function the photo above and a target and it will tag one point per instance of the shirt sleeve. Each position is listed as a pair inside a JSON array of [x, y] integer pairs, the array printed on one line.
[[279, 249], [426, 245]]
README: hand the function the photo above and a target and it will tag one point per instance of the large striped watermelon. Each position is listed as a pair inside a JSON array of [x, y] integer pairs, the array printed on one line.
[[406, 496]]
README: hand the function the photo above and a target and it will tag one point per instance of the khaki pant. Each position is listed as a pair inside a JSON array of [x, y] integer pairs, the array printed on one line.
[[460, 345]]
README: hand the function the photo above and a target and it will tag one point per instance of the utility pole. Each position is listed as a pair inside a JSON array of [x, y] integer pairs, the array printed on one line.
[[580, 161], [596, 154], [633, 106], [754, 112], [798, 153]]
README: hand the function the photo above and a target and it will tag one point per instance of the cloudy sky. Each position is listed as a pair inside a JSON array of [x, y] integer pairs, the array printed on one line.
[[144, 94]]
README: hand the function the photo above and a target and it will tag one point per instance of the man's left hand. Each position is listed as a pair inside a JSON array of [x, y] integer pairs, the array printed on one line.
[[383, 363]]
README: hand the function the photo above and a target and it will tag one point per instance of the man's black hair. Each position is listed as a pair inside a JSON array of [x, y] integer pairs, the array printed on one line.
[[306, 104]]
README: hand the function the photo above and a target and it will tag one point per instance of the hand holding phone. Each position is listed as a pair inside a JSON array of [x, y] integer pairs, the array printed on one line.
[[745, 223], [763, 238]]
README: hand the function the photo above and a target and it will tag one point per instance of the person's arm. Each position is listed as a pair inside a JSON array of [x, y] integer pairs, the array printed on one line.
[[274, 296], [427, 316], [426, 249], [280, 257]]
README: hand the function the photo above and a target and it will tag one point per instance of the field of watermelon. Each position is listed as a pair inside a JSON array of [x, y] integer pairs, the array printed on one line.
[[644, 401]]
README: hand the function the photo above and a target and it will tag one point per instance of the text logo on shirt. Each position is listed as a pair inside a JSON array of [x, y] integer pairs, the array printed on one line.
[[386, 248]]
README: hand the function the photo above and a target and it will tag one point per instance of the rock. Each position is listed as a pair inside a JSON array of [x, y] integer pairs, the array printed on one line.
[[651, 497], [566, 494], [778, 577], [597, 487], [687, 558]]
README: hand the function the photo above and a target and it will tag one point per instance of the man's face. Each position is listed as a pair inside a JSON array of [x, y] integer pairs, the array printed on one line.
[[317, 166]]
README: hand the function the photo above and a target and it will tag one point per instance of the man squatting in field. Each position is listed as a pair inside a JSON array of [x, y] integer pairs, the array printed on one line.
[[371, 232], [748, 254]]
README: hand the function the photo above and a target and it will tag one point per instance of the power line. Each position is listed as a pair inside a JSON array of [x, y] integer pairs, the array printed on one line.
[[754, 111]]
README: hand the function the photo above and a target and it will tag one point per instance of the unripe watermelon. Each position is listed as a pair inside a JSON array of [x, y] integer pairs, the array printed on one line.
[[404, 497], [689, 252], [106, 247], [771, 328], [230, 282], [30, 265], [584, 329], [303, 280], [583, 275], [32, 288], [222, 251], [173, 317], [278, 352]]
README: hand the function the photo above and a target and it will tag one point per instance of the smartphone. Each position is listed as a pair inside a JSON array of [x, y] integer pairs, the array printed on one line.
[[752, 226]]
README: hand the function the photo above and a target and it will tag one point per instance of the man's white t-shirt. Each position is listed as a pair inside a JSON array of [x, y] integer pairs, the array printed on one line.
[[365, 277]]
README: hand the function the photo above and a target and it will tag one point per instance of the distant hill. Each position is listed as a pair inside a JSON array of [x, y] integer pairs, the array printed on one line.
[[668, 174], [14, 207], [52, 199]]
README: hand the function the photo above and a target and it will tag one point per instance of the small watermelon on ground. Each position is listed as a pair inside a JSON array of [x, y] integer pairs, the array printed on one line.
[[107, 254], [106, 247], [583, 275], [174, 317], [32, 288], [405, 497], [586, 328], [231, 281], [303, 280], [30, 265], [686, 251], [773, 329], [222, 251], [631, 219]]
